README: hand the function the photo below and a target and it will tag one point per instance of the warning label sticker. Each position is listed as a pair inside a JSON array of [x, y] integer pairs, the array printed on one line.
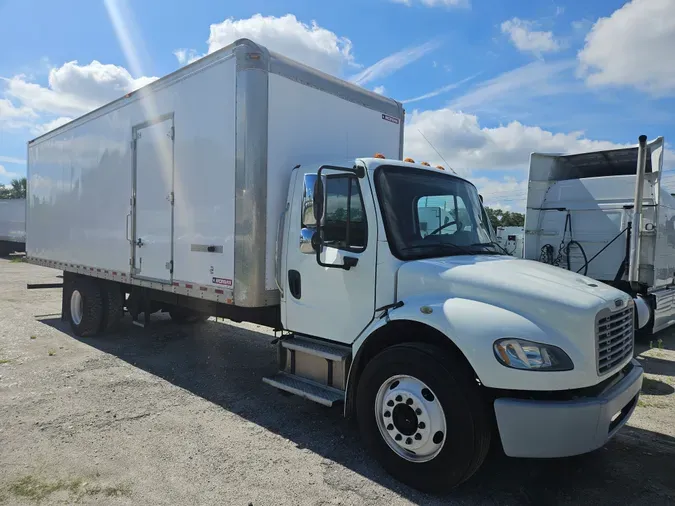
[[222, 281], [390, 119]]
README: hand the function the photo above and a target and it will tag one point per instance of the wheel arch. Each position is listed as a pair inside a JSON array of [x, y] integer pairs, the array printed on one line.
[[392, 333]]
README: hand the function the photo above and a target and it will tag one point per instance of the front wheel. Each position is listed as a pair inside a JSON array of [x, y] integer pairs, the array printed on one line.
[[421, 415]]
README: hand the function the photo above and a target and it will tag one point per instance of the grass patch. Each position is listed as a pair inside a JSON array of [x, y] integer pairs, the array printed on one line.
[[6, 360], [33, 337], [16, 260], [51, 353], [643, 403], [37, 489]]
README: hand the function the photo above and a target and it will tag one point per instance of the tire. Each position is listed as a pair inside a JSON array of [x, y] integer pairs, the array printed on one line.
[[85, 307], [442, 463], [113, 309], [184, 315]]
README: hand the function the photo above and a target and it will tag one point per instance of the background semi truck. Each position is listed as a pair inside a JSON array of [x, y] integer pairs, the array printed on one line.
[[12, 225], [605, 214], [236, 187]]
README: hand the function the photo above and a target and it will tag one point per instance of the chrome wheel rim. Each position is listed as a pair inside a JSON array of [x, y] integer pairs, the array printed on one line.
[[410, 418], [76, 307]]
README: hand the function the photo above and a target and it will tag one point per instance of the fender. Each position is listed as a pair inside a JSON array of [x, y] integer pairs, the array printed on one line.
[[473, 326]]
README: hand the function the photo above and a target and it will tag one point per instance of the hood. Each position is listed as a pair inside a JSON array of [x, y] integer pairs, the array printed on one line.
[[524, 286]]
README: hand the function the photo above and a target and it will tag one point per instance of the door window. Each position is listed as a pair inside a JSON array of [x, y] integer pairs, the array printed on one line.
[[345, 224]]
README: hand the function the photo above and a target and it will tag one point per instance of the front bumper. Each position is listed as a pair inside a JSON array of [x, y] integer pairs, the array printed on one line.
[[546, 429]]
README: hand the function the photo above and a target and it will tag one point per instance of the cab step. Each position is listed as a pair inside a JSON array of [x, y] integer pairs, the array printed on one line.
[[313, 369], [306, 388]]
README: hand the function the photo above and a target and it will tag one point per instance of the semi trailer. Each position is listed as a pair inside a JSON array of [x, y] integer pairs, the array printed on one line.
[[604, 214], [250, 187], [12, 226]]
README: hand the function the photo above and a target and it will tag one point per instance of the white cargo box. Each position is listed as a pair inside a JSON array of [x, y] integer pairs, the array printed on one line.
[[179, 186]]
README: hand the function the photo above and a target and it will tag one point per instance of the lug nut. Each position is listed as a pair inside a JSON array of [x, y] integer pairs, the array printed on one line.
[[390, 427], [418, 436], [409, 402], [408, 441], [399, 398], [390, 403], [387, 414], [398, 437], [418, 411], [421, 425]]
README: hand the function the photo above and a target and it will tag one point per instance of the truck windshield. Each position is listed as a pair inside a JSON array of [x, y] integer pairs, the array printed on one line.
[[429, 214]]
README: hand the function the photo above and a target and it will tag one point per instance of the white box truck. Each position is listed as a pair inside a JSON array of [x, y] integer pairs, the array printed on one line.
[[234, 187], [12, 225], [605, 214]]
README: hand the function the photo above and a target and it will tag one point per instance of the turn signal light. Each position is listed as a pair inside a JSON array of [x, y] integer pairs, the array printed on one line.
[[409, 160], [379, 155], [440, 167], [426, 164]]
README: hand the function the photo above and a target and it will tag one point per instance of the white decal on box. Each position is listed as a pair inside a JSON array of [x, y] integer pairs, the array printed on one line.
[[391, 119], [222, 281]]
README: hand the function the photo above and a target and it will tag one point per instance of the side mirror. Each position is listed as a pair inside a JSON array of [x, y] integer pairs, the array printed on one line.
[[481, 198], [317, 200]]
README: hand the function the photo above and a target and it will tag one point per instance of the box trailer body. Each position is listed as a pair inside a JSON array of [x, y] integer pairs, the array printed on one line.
[[175, 184], [12, 225], [590, 199], [244, 185]]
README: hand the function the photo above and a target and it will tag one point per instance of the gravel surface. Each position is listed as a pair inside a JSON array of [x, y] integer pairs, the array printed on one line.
[[179, 415]]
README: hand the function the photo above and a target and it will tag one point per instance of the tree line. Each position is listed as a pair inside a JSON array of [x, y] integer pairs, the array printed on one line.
[[16, 189], [500, 218]]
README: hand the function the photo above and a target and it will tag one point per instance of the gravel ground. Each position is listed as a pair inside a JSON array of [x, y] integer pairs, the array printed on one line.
[[179, 415]]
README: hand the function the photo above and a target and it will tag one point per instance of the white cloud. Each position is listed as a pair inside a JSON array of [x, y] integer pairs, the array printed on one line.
[[535, 79], [395, 61], [7, 174], [466, 145], [185, 56], [12, 116], [309, 44], [508, 193], [75, 89], [9, 159], [380, 90], [50, 125], [526, 39], [439, 91], [436, 3], [633, 47]]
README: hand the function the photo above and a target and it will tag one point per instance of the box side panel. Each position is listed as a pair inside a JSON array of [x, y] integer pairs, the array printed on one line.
[[308, 126], [204, 157], [13, 220], [80, 179]]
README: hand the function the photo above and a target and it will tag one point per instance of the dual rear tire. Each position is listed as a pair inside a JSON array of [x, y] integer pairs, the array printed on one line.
[[94, 306]]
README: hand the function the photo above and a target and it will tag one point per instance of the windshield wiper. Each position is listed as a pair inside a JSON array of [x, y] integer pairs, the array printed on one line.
[[493, 243]]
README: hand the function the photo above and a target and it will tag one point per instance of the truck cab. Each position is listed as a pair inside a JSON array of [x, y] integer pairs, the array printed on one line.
[[396, 299]]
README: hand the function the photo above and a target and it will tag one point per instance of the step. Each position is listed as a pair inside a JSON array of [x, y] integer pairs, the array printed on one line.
[[306, 388], [336, 353]]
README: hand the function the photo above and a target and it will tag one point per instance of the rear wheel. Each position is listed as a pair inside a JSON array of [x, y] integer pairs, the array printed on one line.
[[85, 308], [422, 416], [113, 308]]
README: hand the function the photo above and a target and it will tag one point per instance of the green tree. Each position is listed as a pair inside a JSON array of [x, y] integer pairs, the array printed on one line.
[[15, 190], [500, 218]]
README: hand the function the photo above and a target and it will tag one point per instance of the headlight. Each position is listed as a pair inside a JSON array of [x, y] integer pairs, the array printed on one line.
[[522, 354]]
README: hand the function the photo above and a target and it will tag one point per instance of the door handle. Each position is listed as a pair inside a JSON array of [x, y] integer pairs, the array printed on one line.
[[294, 285], [139, 243]]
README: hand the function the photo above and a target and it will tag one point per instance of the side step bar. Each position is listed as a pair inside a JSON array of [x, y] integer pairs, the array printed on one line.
[[313, 369], [306, 388]]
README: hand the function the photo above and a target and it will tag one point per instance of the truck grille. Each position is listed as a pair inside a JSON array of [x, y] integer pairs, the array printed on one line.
[[614, 335]]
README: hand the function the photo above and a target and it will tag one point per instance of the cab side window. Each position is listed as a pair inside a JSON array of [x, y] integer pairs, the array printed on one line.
[[345, 224]]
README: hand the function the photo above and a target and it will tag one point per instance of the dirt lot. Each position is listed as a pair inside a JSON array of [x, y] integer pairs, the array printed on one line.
[[179, 415]]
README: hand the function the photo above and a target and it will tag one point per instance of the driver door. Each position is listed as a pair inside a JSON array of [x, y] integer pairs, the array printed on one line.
[[329, 302]]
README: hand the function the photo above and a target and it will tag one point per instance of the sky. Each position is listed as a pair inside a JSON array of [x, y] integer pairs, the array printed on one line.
[[484, 82]]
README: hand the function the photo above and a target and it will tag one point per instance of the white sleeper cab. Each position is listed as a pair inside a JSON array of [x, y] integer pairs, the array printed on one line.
[[234, 188]]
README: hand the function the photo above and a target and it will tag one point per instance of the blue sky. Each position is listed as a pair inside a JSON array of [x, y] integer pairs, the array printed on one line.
[[487, 82]]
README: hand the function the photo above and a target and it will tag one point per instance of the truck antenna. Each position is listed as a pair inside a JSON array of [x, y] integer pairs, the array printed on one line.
[[432, 147]]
